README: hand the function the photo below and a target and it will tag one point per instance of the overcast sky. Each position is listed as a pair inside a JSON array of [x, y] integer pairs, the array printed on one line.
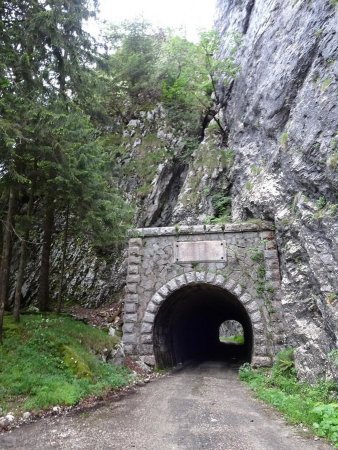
[[189, 14]]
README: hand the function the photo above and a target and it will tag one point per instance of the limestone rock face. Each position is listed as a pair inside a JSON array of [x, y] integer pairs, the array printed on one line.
[[282, 116]]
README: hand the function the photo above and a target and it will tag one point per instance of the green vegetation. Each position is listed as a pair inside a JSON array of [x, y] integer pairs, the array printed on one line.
[[314, 406], [284, 138], [49, 360], [238, 339]]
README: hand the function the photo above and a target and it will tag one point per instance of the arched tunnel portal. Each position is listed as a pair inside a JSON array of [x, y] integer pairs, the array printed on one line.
[[185, 282], [187, 325]]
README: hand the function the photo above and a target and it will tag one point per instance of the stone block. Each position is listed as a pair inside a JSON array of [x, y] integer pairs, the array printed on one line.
[[131, 288], [149, 360], [267, 235], [255, 317], [146, 349], [134, 251], [149, 317], [129, 349], [130, 307], [210, 277], [245, 299], [172, 285], [133, 269], [200, 277], [258, 327], [128, 327], [146, 338], [157, 299], [164, 291], [271, 245], [137, 242], [261, 350], [261, 361], [147, 328], [133, 278], [190, 277], [152, 307], [134, 260], [132, 298], [230, 285], [219, 281], [130, 318], [129, 338], [238, 290], [251, 307], [270, 254], [181, 280]]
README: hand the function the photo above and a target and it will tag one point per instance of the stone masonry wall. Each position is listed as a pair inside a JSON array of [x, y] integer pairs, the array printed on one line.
[[250, 272]]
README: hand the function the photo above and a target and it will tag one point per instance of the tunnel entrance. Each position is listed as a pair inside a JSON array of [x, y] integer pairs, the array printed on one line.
[[189, 322]]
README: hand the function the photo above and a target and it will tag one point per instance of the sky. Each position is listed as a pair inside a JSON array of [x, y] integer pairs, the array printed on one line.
[[192, 15]]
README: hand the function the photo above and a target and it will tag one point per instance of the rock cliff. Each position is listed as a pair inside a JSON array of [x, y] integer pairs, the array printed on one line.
[[282, 116]]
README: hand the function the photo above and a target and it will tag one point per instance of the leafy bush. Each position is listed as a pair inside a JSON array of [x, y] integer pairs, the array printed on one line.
[[327, 423]]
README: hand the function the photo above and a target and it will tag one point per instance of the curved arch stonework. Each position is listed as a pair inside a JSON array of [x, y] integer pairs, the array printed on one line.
[[260, 352], [232, 257]]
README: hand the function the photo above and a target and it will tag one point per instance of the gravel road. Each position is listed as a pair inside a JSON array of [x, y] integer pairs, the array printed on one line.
[[200, 407]]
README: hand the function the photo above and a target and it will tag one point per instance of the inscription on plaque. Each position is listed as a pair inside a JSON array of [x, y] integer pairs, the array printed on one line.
[[200, 251]]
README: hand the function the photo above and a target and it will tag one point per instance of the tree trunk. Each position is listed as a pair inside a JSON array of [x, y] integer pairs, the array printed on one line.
[[64, 255], [5, 259], [48, 225], [23, 262]]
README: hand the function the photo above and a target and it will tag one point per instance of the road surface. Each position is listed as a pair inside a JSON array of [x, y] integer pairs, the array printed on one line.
[[200, 407]]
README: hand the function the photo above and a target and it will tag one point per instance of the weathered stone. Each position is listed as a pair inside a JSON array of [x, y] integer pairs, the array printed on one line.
[[133, 269], [134, 251], [133, 278], [131, 288], [128, 327], [149, 317], [132, 298], [219, 281], [132, 318], [146, 338], [129, 349], [190, 277], [129, 338], [245, 299], [130, 307], [147, 327], [261, 361], [135, 242], [157, 299], [134, 260], [152, 307]]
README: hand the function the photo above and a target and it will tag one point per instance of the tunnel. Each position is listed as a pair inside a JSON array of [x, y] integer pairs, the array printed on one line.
[[187, 327]]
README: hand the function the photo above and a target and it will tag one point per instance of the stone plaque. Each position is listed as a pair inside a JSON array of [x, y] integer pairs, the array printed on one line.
[[200, 251]]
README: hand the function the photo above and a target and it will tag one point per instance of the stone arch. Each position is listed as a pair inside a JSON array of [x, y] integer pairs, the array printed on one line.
[[260, 354]]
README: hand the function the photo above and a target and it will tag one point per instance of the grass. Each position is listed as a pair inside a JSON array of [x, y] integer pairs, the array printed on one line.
[[315, 406], [48, 360], [239, 339]]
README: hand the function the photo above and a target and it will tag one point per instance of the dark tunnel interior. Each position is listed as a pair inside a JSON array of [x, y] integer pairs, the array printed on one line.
[[187, 327]]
